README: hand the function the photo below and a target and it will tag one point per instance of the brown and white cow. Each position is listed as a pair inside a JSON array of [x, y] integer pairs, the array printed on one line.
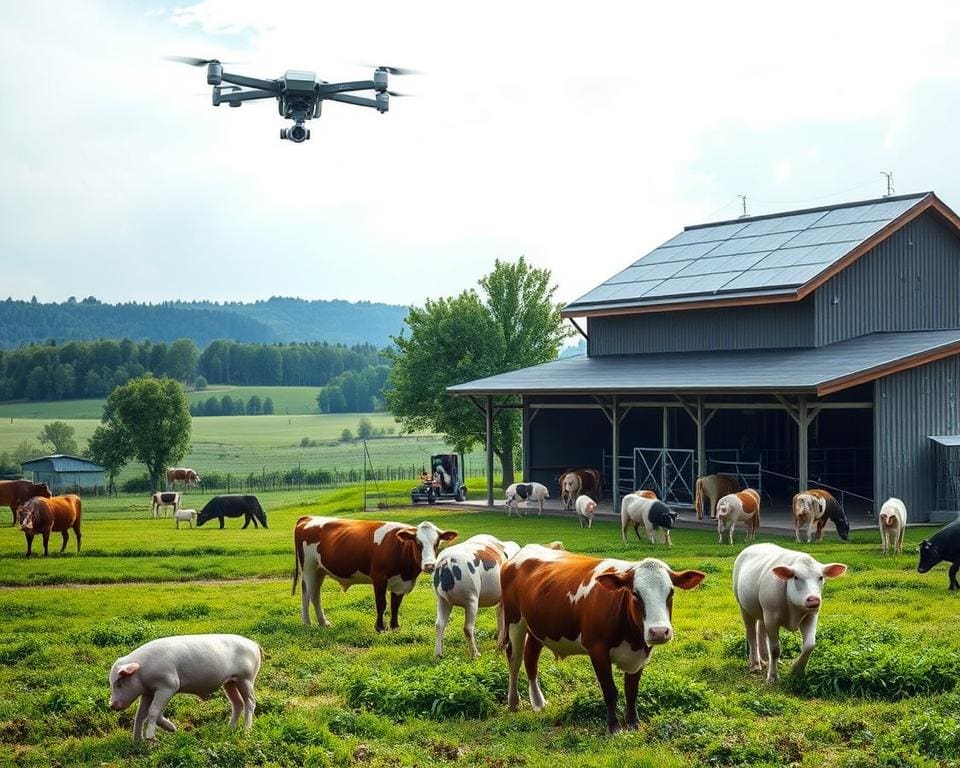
[[390, 556], [44, 516], [712, 488], [591, 481], [614, 611], [735, 507], [570, 487], [160, 500], [14, 492], [183, 475]]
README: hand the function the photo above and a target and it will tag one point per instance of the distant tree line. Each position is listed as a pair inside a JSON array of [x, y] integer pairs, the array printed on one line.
[[355, 391], [232, 406]]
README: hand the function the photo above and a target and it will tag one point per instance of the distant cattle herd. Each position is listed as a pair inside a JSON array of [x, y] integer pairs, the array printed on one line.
[[614, 611]]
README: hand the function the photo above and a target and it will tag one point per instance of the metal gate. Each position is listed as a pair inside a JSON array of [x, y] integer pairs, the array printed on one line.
[[670, 472]]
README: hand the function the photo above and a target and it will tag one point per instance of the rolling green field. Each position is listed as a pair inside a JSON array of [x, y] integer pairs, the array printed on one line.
[[879, 689]]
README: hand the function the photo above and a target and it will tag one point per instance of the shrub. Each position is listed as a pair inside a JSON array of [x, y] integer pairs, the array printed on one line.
[[200, 384], [346, 436], [936, 736]]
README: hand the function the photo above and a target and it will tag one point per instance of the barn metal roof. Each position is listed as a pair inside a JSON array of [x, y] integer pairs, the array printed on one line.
[[748, 257], [61, 462], [948, 441], [818, 370]]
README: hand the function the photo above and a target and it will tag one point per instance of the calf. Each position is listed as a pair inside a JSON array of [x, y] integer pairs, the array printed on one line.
[[652, 514], [185, 516], [162, 499], [893, 522], [830, 511], [712, 488], [389, 556], [570, 487], [735, 507], [586, 507], [14, 492], [235, 505], [468, 575], [943, 545], [44, 516], [197, 664], [614, 611], [525, 492], [779, 588]]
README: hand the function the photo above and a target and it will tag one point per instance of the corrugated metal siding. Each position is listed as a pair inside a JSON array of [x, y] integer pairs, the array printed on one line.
[[908, 407], [909, 282], [759, 327]]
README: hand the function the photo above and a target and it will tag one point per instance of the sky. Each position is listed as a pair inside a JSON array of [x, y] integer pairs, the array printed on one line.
[[578, 135]]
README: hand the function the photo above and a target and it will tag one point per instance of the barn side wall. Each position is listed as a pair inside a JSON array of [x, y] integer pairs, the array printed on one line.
[[909, 282], [757, 327], [908, 407]]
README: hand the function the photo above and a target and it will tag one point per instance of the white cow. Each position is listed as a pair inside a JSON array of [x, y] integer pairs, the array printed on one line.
[[779, 588], [185, 516], [468, 575], [893, 524], [525, 492], [651, 513], [197, 664], [586, 507], [734, 507], [570, 486]]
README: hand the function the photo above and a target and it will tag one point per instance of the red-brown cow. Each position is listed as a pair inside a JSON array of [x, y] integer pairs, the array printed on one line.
[[591, 482], [182, 474], [14, 492], [386, 555], [614, 611], [44, 516]]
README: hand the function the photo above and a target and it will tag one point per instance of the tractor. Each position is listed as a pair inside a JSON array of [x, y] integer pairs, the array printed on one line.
[[444, 481]]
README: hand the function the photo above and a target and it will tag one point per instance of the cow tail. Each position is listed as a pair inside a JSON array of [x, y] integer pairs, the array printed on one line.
[[296, 565], [698, 498]]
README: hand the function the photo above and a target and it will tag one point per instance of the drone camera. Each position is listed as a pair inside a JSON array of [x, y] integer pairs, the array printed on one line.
[[297, 134], [214, 73]]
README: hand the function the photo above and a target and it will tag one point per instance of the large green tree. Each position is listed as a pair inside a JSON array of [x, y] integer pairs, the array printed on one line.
[[511, 323], [110, 447], [152, 419], [60, 436]]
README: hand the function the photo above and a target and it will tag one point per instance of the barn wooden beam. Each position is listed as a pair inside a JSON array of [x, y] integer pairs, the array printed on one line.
[[615, 457], [580, 330], [489, 423]]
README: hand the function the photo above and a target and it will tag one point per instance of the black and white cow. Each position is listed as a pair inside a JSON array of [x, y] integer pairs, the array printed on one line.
[[163, 499], [943, 545], [652, 514], [525, 492]]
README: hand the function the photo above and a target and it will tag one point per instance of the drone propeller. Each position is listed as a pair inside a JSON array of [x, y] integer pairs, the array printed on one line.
[[391, 70], [397, 94], [195, 62]]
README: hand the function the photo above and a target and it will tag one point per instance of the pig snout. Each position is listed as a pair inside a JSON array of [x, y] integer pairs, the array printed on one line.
[[657, 635]]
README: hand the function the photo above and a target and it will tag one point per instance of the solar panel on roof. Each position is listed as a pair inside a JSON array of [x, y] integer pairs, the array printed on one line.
[[706, 234], [649, 272], [739, 262], [682, 286], [676, 253], [795, 223]]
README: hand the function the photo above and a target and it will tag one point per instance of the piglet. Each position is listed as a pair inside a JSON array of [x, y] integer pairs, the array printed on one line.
[[197, 664]]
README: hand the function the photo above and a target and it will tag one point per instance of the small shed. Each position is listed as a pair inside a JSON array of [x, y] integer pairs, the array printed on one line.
[[64, 473], [947, 449]]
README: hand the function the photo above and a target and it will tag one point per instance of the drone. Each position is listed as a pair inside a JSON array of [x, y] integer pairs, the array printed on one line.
[[299, 94]]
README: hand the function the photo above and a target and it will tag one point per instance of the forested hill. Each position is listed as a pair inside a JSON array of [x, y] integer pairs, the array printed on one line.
[[273, 320]]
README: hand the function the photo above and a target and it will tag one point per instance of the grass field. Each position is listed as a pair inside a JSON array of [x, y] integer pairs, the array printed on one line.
[[346, 696]]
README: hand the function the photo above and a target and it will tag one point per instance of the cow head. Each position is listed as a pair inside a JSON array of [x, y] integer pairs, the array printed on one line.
[[125, 684], [807, 505], [660, 514], [805, 579], [40, 489], [27, 516], [843, 525], [590, 507], [930, 555], [208, 512], [651, 582], [427, 537]]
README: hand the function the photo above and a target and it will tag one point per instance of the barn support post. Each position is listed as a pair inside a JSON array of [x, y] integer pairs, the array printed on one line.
[[803, 432], [701, 439], [489, 422], [615, 460], [525, 453]]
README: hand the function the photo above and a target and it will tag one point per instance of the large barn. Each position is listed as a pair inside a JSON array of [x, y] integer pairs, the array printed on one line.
[[818, 347]]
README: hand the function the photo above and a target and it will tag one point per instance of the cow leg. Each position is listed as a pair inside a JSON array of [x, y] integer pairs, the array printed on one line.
[[221, 523], [236, 702], [631, 684], [580, 520], [66, 539], [636, 530], [178, 523], [600, 658], [753, 651], [469, 623], [140, 718], [517, 634], [166, 724], [318, 577], [540, 508], [773, 650], [899, 549], [155, 712], [666, 537], [249, 701], [590, 523], [808, 631], [733, 526], [796, 528], [531, 658], [395, 600], [246, 521], [952, 573], [380, 598], [46, 543], [29, 539], [443, 618], [720, 530]]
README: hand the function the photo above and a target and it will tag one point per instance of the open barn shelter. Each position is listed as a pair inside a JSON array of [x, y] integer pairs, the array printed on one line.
[[812, 348]]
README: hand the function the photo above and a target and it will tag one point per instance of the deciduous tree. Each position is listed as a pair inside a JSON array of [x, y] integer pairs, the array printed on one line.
[[60, 436]]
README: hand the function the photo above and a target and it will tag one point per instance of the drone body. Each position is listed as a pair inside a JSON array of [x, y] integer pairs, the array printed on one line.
[[299, 94]]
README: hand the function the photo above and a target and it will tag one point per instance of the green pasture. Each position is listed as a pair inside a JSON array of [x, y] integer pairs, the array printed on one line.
[[879, 689]]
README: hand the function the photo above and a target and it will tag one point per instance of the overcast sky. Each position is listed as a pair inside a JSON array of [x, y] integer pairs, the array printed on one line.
[[580, 135]]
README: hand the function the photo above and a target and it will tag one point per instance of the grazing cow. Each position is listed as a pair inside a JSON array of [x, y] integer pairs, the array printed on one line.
[[570, 487], [197, 664], [163, 499], [652, 514], [735, 507], [807, 509], [943, 545], [185, 516], [712, 488], [779, 588], [468, 574], [893, 523], [183, 475], [390, 556], [829, 510], [586, 507], [235, 505], [591, 481], [14, 492], [525, 492], [614, 611], [44, 516]]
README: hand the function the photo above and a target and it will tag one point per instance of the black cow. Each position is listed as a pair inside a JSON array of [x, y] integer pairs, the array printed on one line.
[[236, 505], [943, 545]]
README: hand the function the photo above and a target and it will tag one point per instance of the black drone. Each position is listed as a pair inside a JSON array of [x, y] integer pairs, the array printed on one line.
[[299, 94]]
